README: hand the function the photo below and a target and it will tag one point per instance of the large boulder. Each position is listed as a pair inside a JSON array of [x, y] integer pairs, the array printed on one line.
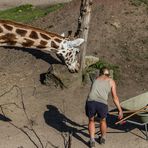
[[90, 60], [59, 76]]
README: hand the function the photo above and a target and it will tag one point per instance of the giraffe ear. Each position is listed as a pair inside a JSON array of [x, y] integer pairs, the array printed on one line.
[[75, 43], [63, 34]]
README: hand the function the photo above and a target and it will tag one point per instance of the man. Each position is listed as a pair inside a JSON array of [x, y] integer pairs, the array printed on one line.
[[97, 104]]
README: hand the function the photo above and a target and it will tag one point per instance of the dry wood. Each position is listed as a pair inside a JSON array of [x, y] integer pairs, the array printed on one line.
[[24, 109], [83, 27], [127, 111], [138, 111]]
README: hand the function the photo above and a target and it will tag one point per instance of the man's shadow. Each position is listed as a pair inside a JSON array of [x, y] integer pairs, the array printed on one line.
[[61, 123]]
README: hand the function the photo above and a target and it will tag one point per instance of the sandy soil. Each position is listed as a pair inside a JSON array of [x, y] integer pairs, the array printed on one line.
[[37, 116]]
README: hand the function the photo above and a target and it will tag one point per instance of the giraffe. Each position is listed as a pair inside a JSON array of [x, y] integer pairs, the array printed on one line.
[[22, 35]]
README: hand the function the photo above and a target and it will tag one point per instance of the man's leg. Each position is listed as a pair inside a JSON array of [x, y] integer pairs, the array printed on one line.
[[103, 129], [91, 127]]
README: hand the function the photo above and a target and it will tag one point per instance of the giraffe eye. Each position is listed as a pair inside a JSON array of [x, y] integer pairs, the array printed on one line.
[[77, 51]]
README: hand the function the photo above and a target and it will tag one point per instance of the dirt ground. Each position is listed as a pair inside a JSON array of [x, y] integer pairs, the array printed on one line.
[[38, 116]]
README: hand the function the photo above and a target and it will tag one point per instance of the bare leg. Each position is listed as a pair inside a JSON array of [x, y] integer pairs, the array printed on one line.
[[91, 128], [103, 127]]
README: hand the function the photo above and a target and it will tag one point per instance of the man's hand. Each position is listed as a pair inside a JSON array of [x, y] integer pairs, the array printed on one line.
[[120, 115]]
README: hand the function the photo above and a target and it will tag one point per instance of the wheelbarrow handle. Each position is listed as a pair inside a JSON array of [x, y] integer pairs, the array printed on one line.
[[127, 111], [132, 114]]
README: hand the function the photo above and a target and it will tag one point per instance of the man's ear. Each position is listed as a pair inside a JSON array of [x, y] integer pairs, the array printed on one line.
[[75, 43]]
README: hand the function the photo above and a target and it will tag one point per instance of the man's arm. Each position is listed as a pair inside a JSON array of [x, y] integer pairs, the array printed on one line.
[[115, 98]]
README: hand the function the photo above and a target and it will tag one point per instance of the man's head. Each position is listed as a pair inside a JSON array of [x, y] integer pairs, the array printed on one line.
[[104, 71]]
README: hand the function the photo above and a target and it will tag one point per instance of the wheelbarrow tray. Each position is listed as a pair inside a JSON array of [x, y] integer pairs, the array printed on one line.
[[136, 103]]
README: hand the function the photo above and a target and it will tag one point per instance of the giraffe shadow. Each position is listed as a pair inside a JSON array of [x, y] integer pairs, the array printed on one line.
[[47, 57], [61, 123]]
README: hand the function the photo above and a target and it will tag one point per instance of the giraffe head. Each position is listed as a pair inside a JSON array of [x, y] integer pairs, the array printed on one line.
[[68, 52]]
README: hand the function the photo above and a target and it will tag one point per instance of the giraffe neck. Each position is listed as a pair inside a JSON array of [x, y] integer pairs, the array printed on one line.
[[16, 34], [20, 35]]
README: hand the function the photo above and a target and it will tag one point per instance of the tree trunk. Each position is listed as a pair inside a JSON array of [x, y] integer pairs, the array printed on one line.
[[83, 28], [59, 75]]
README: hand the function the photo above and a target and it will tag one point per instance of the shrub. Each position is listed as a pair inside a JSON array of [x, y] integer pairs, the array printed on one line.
[[97, 66], [139, 2]]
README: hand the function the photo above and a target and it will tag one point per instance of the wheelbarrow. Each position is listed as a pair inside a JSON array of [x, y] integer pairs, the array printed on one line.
[[135, 111]]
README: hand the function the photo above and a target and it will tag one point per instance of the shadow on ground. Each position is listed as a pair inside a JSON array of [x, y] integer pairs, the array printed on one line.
[[38, 54], [4, 118], [125, 127], [57, 120], [63, 124]]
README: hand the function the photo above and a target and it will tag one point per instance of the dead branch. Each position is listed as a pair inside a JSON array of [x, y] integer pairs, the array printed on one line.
[[70, 140], [24, 109], [19, 129], [48, 142]]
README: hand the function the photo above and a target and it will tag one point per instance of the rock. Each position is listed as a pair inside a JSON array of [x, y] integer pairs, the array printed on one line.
[[89, 77], [59, 77], [90, 60], [116, 24]]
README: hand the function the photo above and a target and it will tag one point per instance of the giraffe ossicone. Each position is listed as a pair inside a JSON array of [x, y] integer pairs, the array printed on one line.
[[21, 35]]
